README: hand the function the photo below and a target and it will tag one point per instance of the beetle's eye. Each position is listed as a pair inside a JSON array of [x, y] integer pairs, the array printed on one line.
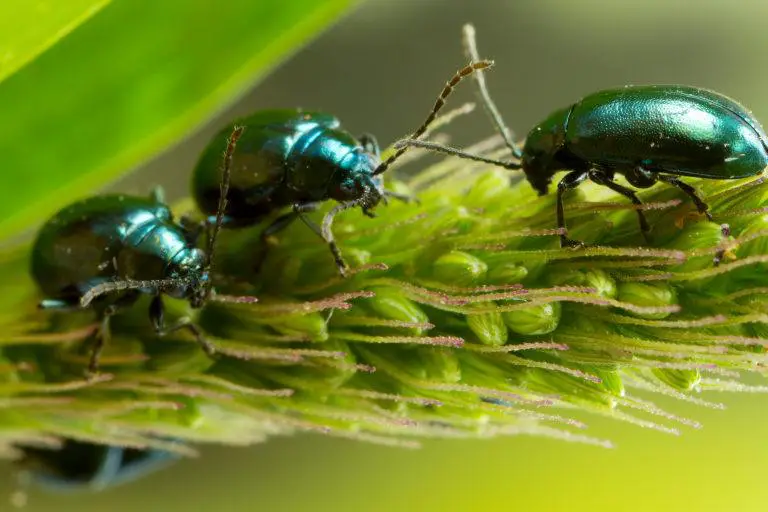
[[347, 187]]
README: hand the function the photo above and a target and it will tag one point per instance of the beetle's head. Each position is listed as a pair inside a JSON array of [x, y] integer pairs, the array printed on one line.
[[354, 181], [537, 171], [542, 147]]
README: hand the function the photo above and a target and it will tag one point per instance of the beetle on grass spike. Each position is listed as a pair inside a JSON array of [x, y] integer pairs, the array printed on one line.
[[646, 133], [297, 160], [80, 466], [105, 251]]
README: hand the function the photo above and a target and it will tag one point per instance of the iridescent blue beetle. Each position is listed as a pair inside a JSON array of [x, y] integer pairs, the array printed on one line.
[[87, 467], [295, 159], [645, 133], [104, 252]]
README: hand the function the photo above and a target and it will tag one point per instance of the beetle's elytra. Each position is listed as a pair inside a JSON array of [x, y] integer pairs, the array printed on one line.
[[646, 133], [292, 159]]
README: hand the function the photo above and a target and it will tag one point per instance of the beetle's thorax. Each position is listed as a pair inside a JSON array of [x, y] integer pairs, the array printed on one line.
[[543, 148], [323, 158]]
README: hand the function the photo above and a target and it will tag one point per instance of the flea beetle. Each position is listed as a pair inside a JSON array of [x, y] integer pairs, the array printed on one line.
[[295, 159], [79, 466], [105, 251], [646, 133]]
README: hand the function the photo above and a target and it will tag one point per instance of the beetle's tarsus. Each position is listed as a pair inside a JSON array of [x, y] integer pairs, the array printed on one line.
[[569, 242]]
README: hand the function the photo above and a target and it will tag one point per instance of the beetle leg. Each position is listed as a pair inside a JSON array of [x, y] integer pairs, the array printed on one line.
[[283, 222], [157, 194], [301, 209], [100, 337], [99, 340], [194, 228], [334, 248], [157, 317], [689, 191], [702, 207], [402, 197], [370, 144], [570, 181], [601, 179]]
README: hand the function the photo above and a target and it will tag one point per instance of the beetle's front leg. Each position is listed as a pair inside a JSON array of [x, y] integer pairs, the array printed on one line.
[[100, 339], [157, 317], [341, 265], [569, 182]]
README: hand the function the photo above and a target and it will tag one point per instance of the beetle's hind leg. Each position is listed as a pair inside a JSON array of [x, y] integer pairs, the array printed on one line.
[[569, 182], [605, 180], [282, 222], [701, 206], [157, 317], [689, 191]]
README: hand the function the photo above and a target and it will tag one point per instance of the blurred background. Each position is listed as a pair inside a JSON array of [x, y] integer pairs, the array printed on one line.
[[379, 70]]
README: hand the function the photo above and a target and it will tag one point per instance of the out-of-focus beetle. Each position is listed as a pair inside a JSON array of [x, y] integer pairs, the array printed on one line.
[[295, 159], [646, 133], [80, 466], [105, 251]]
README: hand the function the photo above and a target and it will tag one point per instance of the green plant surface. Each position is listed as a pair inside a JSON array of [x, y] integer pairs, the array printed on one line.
[[42, 24], [462, 317], [129, 83]]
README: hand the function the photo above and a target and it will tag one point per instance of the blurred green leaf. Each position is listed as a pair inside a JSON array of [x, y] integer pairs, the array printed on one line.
[[135, 79], [28, 28]]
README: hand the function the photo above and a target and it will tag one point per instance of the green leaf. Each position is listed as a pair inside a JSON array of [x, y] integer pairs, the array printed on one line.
[[27, 28], [138, 77]]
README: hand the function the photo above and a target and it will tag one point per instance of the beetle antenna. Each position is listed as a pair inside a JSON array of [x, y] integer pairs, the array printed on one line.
[[460, 75], [448, 150], [226, 173], [470, 47], [128, 284]]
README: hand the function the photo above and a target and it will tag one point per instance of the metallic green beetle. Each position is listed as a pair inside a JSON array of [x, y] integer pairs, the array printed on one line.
[[646, 133]]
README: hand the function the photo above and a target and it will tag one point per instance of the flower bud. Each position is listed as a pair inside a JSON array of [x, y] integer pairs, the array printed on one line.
[[532, 320], [507, 273], [393, 305], [459, 268], [489, 328], [598, 279], [682, 380], [648, 295]]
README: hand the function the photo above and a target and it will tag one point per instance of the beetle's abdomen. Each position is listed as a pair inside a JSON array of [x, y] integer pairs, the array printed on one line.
[[667, 128]]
